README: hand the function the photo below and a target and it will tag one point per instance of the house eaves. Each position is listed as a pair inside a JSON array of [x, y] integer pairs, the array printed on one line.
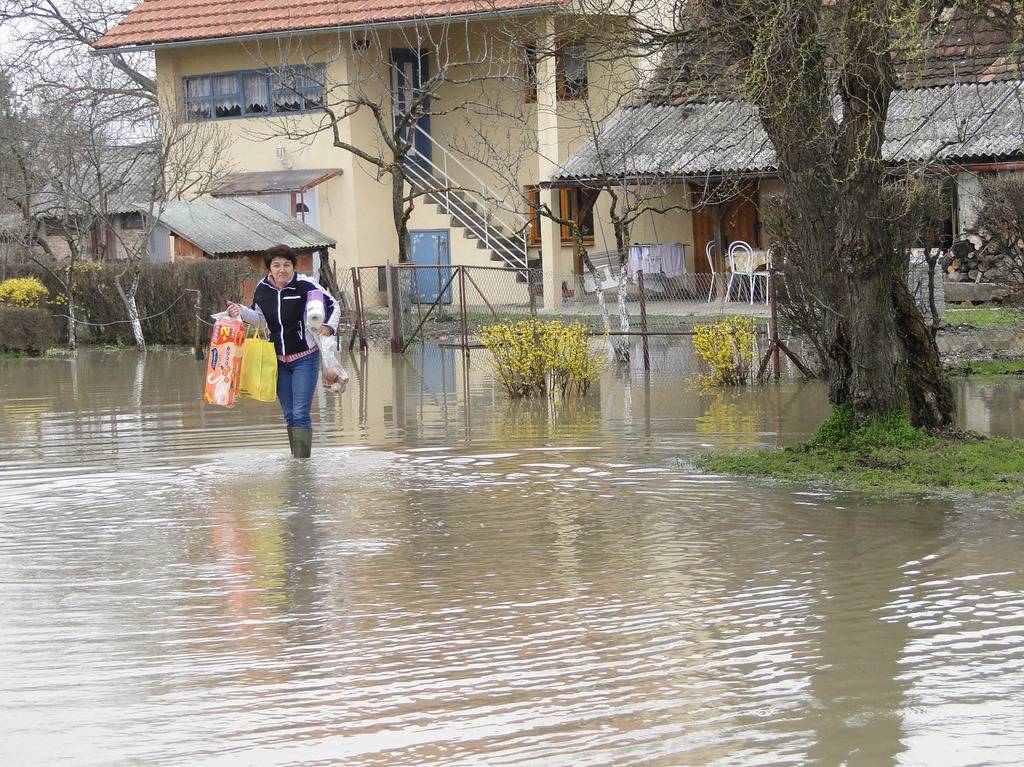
[[114, 43], [951, 124]]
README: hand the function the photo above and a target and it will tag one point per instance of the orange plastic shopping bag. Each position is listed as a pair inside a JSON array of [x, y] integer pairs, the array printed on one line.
[[224, 363]]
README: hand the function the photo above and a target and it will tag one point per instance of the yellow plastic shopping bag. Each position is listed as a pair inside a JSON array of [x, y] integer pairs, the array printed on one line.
[[259, 368]]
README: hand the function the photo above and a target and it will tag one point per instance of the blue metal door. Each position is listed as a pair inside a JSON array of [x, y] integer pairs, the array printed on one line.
[[430, 254], [409, 70]]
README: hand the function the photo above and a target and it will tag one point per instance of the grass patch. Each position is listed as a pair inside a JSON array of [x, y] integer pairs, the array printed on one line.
[[989, 369], [984, 316], [885, 456]]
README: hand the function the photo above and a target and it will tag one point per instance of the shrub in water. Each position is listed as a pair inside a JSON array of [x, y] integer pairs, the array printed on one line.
[[26, 330], [27, 292], [726, 351], [533, 357]]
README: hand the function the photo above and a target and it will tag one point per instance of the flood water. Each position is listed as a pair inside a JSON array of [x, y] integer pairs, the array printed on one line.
[[459, 580]]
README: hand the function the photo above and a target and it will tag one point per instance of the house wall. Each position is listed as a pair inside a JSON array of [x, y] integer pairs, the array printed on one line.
[[186, 252], [672, 226], [126, 243], [252, 143], [493, 130]]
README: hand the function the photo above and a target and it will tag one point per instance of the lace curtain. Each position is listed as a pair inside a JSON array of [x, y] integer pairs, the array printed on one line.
[[256, 92], [225, 90]]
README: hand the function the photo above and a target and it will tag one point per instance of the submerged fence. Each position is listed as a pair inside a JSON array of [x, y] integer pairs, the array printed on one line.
[[408, 303]]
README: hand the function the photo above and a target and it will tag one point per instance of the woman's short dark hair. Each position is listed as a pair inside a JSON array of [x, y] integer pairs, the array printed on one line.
[[279, 251]]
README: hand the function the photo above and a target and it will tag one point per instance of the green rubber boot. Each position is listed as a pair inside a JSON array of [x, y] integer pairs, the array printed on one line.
[[291, 441], [302, 442]]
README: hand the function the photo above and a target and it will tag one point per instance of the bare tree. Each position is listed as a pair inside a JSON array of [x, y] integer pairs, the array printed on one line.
[[51, 41], [613, 42], [822, 75], [84, 194]]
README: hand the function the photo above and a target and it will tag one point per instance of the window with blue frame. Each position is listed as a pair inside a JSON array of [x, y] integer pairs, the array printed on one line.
[[255, 93]]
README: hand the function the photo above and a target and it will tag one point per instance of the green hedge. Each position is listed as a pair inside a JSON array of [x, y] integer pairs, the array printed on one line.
[[166, 298], [26, 331]]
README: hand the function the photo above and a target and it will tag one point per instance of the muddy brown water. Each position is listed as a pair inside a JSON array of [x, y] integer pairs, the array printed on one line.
[[457, 580]]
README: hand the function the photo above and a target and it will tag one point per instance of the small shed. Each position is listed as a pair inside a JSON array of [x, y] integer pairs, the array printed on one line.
[[296, 192], [226, 227]]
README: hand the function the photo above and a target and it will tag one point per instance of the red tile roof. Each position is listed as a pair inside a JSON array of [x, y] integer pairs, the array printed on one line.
[[165, 21]]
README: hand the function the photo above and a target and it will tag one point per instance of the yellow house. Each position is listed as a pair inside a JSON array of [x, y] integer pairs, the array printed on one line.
[[309, 94]]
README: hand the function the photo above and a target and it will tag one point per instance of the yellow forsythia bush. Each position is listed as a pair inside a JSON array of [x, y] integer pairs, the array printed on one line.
[[726, 351], [532, 357], [27, 292]]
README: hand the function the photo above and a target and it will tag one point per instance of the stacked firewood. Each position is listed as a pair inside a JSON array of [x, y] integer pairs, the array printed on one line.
[[966, 262]]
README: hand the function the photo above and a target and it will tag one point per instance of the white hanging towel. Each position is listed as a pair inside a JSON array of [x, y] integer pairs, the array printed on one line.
[[673, 259], [635, 260]]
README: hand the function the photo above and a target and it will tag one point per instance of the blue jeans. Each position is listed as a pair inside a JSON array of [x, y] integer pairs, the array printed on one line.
[[296, 382]]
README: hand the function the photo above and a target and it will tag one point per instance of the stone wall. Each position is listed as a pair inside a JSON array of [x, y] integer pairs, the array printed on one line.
[[917, 281]]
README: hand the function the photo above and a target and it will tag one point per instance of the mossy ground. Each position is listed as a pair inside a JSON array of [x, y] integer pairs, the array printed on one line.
[[885, 456], [985, 316], [989, 369]]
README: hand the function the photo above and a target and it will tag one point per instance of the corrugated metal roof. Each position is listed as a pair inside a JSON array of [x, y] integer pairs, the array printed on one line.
[[272, 181], [227, 226], [952, 123], [128, 175]]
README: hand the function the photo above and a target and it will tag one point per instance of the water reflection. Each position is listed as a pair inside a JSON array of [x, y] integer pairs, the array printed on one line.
[[860, 693], [458, 579]]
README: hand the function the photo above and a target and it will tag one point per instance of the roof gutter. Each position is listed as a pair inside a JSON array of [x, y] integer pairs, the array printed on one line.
[[715, 177], [260, 36], [996, 167]]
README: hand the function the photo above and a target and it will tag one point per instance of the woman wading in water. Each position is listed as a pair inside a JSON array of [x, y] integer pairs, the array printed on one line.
[[280, 302]]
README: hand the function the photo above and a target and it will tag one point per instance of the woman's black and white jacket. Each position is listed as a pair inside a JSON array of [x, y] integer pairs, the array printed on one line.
[[284, 312]]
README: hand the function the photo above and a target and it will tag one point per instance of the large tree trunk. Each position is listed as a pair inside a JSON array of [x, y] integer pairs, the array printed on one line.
[[877, 353], [880, 357], [896, 363], [931, 403]]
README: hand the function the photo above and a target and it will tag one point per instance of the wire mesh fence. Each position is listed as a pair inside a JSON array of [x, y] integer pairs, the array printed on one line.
[[654, 304], [408, 302], [450, 304]]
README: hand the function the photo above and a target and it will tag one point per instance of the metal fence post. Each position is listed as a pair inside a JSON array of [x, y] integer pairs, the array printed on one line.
[[643, 318], [530, 290], [358, 326], [773, 319], [463, 311]]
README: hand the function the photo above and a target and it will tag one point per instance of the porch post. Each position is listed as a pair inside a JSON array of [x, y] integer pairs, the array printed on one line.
[[555, 267]]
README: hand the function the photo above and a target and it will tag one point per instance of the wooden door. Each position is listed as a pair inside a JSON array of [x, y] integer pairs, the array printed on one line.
[[740, 223], [741, 220], [703, 233]]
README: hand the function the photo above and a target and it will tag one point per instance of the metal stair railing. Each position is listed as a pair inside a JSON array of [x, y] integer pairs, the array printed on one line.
[[428, 174]]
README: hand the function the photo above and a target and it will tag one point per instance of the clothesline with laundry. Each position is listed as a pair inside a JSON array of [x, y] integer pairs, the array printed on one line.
[[664, 258]]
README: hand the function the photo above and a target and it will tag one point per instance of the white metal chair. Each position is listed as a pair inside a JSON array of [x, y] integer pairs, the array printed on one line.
[[605, 280], [743, 264], [709, 252]]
